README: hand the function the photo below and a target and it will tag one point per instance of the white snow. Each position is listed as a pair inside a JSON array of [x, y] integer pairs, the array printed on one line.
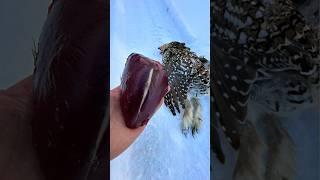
[[161, 151]]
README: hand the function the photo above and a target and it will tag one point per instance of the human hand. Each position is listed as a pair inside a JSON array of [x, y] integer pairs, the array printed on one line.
[[121, 137], [17, 155]]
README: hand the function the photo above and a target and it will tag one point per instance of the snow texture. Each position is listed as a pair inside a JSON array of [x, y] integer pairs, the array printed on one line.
[[161, 151]]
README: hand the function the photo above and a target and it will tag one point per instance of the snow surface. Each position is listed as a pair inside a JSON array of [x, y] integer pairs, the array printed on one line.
[[161, 151]]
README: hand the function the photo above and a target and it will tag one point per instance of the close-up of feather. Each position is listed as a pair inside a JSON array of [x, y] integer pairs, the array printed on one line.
[[54, 84], [70, 91]]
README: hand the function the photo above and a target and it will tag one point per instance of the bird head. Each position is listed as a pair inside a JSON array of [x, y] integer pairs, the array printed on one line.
[[173, 44]]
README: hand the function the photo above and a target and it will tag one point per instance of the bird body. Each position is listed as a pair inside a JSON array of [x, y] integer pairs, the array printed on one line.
[[189, 78]]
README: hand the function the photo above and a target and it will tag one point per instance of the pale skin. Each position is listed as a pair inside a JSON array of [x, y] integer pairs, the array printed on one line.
[[121, 137], [18, 157]]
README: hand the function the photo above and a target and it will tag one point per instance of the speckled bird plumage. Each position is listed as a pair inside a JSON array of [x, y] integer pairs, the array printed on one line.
[[264, 54], [189, 78]]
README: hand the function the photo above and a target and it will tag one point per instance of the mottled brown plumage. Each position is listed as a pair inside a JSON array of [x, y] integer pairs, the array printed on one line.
[[189, 77]]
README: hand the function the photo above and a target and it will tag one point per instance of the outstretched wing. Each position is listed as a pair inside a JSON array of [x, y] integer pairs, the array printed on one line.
[[233, 77], [179, 69]]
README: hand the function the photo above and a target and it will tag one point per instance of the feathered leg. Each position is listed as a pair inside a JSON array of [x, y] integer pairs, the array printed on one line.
[[186, 122], [196, 120], [250, 164], [281, 150]]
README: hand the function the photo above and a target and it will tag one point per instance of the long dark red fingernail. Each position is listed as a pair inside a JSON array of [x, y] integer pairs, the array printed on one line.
[[144, 83]]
